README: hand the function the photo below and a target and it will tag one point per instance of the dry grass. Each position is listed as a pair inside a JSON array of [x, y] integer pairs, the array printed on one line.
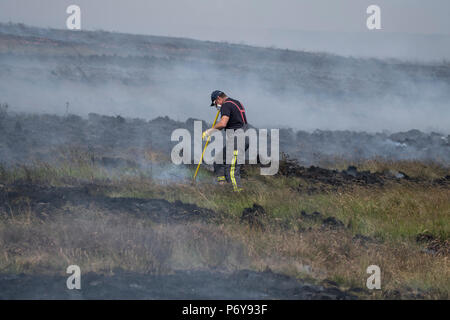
[[335, 255], [91, 239], [100, 241]]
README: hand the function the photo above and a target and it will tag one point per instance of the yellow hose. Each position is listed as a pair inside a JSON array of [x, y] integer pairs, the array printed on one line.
[[206, 144]]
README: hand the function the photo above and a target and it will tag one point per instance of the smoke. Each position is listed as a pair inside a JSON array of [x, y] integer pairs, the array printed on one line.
[[154, 76], [59, 72]]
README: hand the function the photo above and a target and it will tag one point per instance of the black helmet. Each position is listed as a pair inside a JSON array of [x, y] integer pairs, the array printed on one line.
[[214, 95]]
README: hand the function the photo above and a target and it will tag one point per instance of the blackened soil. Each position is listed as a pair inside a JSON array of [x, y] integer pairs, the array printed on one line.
[[352, 176], [47, 199], [331, 177], [242, 284]]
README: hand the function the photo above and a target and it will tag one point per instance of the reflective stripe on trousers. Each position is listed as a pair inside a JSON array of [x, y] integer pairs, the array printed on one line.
[[232, 170]]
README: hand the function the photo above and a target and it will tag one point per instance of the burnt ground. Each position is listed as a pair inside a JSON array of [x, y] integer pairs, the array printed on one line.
[[108, 140], [47, 199], [322, 177], [243, 284]]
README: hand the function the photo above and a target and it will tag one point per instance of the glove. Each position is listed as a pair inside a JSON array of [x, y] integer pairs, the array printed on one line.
[[207, 133]]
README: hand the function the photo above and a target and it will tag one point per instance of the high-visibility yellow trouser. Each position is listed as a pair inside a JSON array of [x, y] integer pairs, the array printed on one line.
[[230, 172], [233, 169]]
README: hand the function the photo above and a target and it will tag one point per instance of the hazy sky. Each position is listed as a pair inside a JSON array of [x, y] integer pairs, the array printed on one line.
[[173, 17], [260, 22]]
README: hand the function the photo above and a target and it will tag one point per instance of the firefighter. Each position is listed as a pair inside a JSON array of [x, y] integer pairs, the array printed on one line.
[[232, 117]]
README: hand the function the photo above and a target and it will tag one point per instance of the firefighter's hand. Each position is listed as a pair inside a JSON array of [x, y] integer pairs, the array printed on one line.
[[207, 133]]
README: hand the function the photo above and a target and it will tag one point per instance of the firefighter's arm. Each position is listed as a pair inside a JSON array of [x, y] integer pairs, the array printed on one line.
[[222, 123], [219, 126]]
